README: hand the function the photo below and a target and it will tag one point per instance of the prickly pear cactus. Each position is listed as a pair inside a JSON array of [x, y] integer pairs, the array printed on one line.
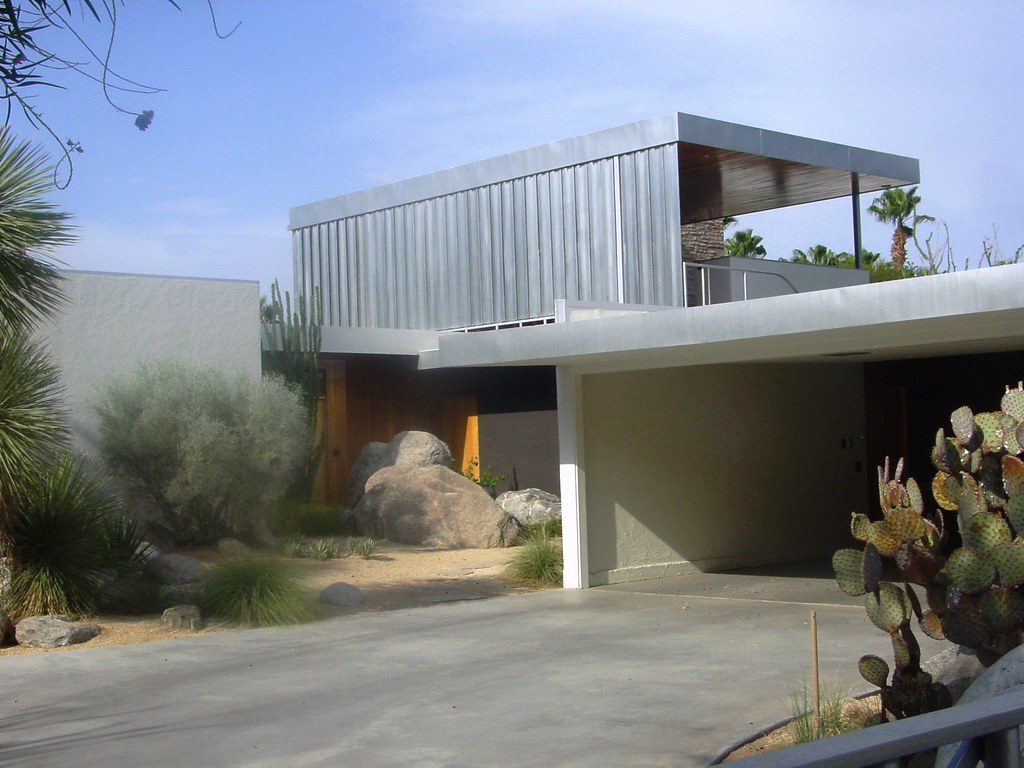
[[974, 595]]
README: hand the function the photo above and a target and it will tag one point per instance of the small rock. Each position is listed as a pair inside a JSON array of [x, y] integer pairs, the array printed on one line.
[[341, 594], [53, 632], [183, 617], [175, 569], [233, 548]]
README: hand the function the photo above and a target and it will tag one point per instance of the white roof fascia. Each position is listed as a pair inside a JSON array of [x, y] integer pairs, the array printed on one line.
[[977, 310]]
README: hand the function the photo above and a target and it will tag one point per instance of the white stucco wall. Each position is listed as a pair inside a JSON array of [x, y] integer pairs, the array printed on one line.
[[720, 466], [113, 322]]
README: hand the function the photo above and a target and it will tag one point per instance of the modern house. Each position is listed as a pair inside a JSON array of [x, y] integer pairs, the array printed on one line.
[[565, 311]]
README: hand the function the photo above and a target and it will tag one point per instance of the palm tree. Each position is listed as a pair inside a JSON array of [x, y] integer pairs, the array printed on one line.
[[31, 426], [30, 226], [745, 244], [899, 208], [816, 254]]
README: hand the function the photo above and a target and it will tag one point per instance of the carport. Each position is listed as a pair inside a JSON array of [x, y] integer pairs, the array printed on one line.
[[743, 434]]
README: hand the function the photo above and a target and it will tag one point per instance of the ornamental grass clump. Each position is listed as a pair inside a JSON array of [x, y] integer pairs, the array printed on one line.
[[256, 592], [538, 559]]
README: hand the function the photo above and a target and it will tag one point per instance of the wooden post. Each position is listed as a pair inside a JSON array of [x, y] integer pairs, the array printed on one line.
[[815, 690]]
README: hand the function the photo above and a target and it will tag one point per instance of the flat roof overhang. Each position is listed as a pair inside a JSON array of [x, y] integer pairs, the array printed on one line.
[[957, 313], [725, 169]]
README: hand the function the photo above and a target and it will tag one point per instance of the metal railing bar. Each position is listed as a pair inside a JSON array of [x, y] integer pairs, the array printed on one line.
[[880, 744]]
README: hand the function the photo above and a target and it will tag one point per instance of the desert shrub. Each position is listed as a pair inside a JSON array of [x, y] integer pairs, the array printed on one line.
[[214, 453], [538, 559], [296, 518], [56, 537], [257, 592], [363, 546]]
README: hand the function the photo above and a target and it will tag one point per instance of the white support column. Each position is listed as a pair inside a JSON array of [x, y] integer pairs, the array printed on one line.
[[573, 478]]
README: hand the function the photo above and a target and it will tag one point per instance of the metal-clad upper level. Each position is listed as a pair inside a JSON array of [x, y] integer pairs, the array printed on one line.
[[592, 219]]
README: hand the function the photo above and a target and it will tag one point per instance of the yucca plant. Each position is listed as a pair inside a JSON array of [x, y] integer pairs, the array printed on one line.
[[257, 592], [55, 537]]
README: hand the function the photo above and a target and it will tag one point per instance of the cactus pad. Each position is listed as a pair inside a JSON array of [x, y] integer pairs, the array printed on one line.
[[1008, 559], [970, 571], [849, 567], [906, 524], [1002, 608], [992, 437], [874, 669], [972, 500], [931, 625], [884, 538], [1013, 475], [986, 530], [966, 626], [946, 454], [1013, 402], [962, 420], [946, 490], [888, 608], [1014, 512], [1010, 441], [914, 497], [859, 525]]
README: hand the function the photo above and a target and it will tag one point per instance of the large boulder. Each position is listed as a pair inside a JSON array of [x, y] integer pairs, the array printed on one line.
[[416, 449], [956, 668], [429, 505], [531, 505], [53, 632], [174, 569]]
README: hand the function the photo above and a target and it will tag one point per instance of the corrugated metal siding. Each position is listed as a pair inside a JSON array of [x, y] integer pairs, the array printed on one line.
[[604, 231]]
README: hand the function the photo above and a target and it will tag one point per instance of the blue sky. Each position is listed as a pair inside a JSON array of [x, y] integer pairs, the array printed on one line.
[[316, 98]]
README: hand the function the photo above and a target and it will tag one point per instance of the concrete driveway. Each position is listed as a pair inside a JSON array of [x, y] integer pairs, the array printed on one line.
[[664, 673]]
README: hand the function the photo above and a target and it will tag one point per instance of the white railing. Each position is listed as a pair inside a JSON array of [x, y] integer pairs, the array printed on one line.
[[705, 271], [985, 731]]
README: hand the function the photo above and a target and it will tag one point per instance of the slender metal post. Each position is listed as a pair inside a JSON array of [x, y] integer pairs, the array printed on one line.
[[855, 193]]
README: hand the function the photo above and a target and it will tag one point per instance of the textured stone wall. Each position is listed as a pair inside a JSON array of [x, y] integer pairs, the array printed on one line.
[[703, 240]]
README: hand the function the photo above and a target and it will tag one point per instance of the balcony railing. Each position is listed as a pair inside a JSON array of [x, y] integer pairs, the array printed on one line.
[[724, 286]]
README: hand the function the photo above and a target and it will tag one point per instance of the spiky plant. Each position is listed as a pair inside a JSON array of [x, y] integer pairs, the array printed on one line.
[[56, 541]]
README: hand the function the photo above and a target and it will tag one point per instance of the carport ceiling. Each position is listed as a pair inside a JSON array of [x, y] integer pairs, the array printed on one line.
[[715, 182]]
